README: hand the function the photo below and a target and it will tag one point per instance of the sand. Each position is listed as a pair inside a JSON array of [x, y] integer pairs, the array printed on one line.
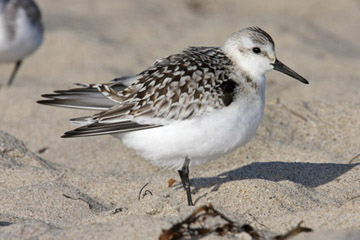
[[302, 165]]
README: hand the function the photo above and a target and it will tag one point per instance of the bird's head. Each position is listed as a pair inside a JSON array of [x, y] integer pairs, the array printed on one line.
[[253, 50]]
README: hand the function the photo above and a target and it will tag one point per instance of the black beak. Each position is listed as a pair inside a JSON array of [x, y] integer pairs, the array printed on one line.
[[279, 66]]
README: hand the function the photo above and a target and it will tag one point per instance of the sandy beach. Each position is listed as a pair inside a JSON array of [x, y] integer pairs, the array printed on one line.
[[302, 165]]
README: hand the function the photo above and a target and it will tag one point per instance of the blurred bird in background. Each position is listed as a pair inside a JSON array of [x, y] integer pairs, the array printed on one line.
[[21, 32]]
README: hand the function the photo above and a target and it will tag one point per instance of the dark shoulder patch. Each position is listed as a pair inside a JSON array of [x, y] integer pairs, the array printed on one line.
[[228, 88]]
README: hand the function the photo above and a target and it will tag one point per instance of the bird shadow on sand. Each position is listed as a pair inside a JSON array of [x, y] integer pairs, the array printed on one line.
[[307, 174]]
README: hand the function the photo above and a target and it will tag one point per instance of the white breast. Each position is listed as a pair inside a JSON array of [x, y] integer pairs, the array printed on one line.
[[203, 139]]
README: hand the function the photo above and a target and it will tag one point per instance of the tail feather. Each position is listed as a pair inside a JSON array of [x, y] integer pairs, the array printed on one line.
[[87, 96], [101, 97]]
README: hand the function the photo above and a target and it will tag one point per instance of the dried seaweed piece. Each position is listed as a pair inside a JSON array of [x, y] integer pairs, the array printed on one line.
[[42, 150], [93, 204], [117, 210], [197, 226], [194, 226], [171, 182], [354, 158], [293, 232], [145, 193]]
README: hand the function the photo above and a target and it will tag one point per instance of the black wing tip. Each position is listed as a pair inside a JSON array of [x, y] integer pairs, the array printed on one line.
[[73, 133], [45, 102], [68, 134], [82, 132], [96, 129], [50, 99], [51, 102], [49, 95]]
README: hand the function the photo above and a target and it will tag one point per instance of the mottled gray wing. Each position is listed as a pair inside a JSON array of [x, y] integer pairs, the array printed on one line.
[[179, 87]]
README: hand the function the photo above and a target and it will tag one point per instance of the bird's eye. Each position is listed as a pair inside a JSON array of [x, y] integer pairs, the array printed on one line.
[[256, 50]]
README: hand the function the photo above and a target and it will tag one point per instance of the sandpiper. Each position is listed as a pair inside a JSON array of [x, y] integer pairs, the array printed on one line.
[[185, 109], [21, 31]]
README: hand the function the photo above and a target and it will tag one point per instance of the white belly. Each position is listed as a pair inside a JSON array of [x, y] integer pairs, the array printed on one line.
[[202, 140], [27, 39]]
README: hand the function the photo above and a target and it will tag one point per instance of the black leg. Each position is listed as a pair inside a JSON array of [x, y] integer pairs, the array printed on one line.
[[184, 175], [16, 68]]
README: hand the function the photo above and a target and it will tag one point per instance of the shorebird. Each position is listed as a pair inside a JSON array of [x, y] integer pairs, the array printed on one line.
[[185, 109], [21, 31]]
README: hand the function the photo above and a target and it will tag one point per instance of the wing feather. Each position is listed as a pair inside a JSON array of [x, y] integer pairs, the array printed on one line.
[[178, 87], [96, 129]]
